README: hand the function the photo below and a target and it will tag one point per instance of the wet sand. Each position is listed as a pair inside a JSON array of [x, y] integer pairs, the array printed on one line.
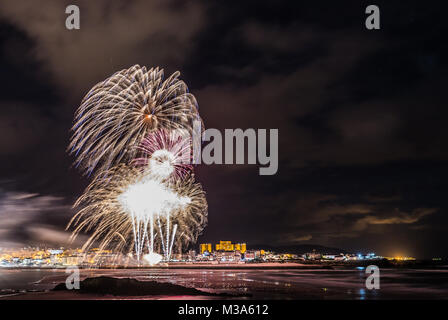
[[271, 283]]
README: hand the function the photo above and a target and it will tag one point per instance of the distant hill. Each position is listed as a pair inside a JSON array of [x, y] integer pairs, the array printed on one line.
[[298, 249]]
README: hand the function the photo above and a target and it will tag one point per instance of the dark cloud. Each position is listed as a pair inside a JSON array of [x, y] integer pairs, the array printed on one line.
[[113, 36], [29, 219], [21, 128]]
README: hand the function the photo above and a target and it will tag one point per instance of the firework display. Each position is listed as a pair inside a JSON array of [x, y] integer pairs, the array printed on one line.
[[129, 211], [135, 129], [120, 111]]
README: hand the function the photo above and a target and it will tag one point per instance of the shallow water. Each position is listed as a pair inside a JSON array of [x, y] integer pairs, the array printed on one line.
[[260, 284]]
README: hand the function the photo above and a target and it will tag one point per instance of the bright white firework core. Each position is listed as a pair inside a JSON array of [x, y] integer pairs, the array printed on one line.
[[161, 163], [149, 197], [153, 258]]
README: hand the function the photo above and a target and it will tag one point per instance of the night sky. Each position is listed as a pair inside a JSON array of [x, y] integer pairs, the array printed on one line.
[[361, 114]]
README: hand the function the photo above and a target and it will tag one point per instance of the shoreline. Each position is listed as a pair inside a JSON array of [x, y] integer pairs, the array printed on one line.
[[260, 283], [315, 265], [187, 266], [239, 266]]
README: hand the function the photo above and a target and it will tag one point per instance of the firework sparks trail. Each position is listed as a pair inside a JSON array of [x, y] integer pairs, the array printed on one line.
[[144, 199], [120, 111], [135, 128], [166, 153], [126, 204]]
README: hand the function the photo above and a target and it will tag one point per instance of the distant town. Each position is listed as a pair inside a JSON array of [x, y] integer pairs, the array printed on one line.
[[224, 252]]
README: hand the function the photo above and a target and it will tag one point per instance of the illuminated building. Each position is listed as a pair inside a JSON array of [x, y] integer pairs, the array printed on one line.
[[249, 256], [205, 247], [229, 246], [400, 258], [228, 256], [241, 247], [54, 252], [313, 256], [224, 246]]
